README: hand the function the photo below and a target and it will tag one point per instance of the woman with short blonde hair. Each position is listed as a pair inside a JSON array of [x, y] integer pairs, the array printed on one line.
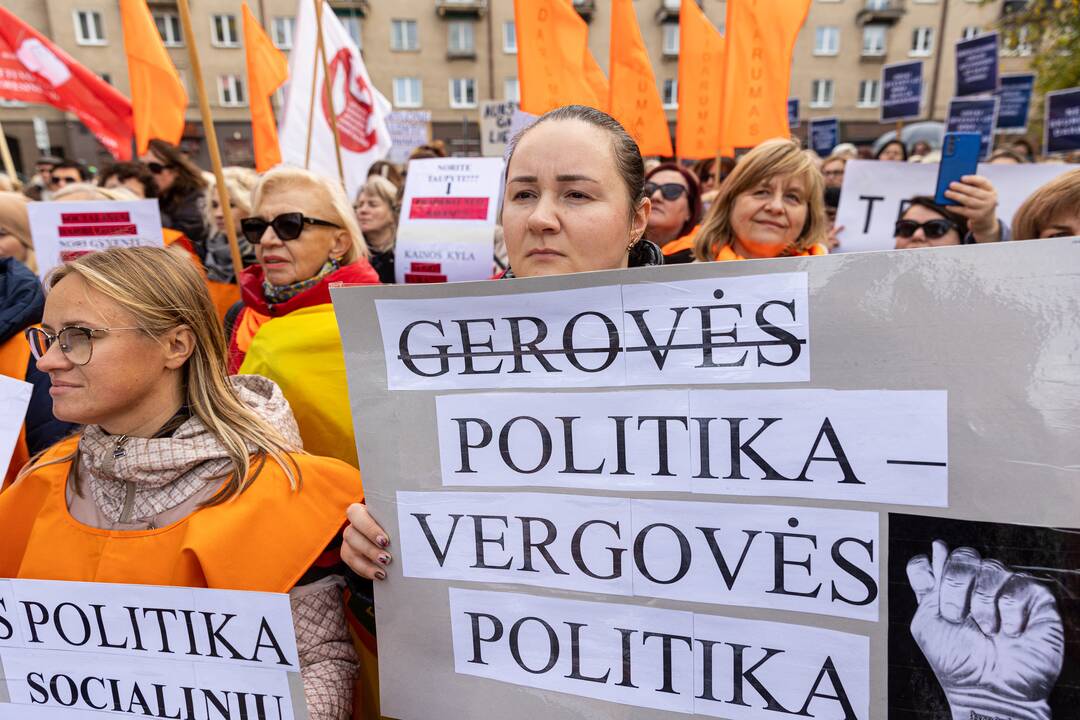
[[1051, 211], [377, 209]]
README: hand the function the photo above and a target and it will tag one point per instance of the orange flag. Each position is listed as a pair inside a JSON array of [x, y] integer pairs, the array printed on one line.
[[267, 70], [555, 66], [760, 41], [158, 98], [634, 100], [701, 75]]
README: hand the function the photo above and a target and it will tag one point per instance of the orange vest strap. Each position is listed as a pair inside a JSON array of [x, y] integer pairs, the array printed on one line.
[[14, 359], [686, 242], [247, 325]]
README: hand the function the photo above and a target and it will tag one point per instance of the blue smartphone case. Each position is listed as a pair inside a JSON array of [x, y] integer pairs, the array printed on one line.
[[959, 157]]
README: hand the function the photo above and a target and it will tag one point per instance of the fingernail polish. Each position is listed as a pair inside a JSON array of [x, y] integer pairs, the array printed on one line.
[[380, 575], [382, 541], [384, 559]]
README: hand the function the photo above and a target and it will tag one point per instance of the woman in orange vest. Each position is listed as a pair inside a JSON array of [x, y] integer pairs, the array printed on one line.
[[182, 475], [771, 205]]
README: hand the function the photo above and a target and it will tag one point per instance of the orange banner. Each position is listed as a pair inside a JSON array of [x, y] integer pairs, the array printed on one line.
[[634, 100], [267, 70], [757, 70], [158, 98], [701, 73]]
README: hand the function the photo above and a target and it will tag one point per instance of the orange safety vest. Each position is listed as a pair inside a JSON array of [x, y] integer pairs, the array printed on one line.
[[683, 245], [14, 358], [264, 539], [223, 295], [726, 253]]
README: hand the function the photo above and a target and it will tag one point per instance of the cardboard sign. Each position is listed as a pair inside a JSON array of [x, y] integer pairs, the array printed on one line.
[[1061, 128], [447, 228], [573, 545], [824, 135], [901, 91], [977, 65], [496, 123], [975, 115], [409, 129], [14, 399], [1015, 102], [793, 113], [875, 195], [63, 231], [72, 650]]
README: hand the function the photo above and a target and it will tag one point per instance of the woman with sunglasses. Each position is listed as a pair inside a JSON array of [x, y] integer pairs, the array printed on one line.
[[926, 224], [306, 238], [181, 475], [675, 212], [181, 191]]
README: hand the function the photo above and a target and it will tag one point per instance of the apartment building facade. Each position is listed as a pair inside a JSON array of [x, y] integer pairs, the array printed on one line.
[[447, 56]]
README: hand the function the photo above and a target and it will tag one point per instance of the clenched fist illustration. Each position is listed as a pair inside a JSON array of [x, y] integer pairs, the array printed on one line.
[[993, 637]]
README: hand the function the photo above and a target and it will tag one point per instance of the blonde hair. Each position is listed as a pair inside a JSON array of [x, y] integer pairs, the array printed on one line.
[[163, 290], [95, 192], [1062, 194], [770, 159], [239, 196], [284, 177], [384, 190], [15, 220]]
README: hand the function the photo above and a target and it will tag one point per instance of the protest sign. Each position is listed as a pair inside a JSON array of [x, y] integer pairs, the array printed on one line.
[[63, 231], [975, 115], [409, 129], [793, 113], [1015, 102], [977, 65], [901, 91], [652, 536], [824, 135], [74, 650], [447, 228], [1061, 126], [496, 121], [14, 399], [875, 195]]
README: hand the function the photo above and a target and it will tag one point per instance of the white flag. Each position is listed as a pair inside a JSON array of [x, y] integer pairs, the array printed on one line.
[[360, 109]]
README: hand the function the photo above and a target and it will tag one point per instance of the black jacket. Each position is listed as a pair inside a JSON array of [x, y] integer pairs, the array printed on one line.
[[187, 214]]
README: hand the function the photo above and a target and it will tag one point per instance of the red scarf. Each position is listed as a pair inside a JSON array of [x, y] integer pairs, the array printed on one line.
[[359, 272]]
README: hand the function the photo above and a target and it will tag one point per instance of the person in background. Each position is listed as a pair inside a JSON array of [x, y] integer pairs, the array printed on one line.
[[704, 170], [88, 192], [39, 186], [1023, 148], [181, 191], [131, 175], [832, 204], [846, 150], [67, 173], [6, 183], [921, 148], [926, 224], [894, 151], [1003, 156], [15, 240], [865, 153], [832, 169], [771, 205], [1051, 211], [377, 211], [389, 171], [216, 254], [675, 211]]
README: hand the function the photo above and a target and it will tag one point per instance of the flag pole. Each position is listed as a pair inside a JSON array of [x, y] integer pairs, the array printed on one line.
[[9, 165], [211, 136], [314, 85], [321, 47]]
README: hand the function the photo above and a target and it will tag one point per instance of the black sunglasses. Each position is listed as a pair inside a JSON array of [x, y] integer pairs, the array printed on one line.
[[287, 226], [668, 191], [157, 168], [933, 229]]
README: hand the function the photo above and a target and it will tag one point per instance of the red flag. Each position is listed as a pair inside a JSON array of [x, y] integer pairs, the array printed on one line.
[[34, 70]]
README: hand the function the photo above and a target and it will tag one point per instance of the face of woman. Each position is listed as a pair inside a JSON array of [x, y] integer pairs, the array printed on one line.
[[131, 184], [892, 152], [290, 261], [667, 217], [567, 211], [921, 214], [769, 218], [165, 178], [373, 213], [10, 245], [219, 214], [1064, 224], [833, 172]]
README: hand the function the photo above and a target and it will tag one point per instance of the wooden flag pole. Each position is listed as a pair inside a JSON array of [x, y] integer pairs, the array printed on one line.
[[211, 136], [321, 46], [9, 164], [314, 85]]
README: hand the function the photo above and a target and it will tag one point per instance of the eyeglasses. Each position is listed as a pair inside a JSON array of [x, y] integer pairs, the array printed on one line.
[[76, 342], [668, 191], [157, 168], [62, 181], [287, 226], [932, 229]]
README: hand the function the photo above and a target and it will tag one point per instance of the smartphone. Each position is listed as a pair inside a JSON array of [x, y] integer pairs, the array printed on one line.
[[959, 157]]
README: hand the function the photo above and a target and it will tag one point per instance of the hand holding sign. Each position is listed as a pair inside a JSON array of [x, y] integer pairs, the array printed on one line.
[[364, 544], [977, 200], [994, 638]]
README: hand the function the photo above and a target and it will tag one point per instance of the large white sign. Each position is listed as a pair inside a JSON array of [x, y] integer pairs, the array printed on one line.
[[447, 227], [14, 399], [63, 231], [874, 195]]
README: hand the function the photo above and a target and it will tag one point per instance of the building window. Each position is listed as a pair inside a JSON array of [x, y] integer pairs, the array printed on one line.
[[511, 90], [971, 31], [408, 92], [873, 40], [877, 4], [89, 29], [282, 31], [460, 37], [869, 93], [670, 94], [352, 26], [1016, 43], [168, 27], [671, 39], [403, 35], [224, 27], [922, 41], [509, 38], [231, 91], [821, 93], [462, 93], [827, 40]]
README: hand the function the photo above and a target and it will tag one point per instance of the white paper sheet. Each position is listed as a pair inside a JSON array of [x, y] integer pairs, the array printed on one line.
[[14, 400]]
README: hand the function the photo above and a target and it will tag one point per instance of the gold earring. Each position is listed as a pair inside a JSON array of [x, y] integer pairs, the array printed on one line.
[[633, 242]]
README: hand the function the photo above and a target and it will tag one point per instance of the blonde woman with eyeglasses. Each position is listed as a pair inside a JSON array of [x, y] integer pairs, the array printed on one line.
[[181, 475]]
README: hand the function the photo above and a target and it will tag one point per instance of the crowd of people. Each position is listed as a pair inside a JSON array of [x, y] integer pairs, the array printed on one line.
[[204, 417]]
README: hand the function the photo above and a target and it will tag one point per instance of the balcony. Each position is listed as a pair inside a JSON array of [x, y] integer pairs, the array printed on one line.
[[474, 8], [668, 11], [872, 58], [585, 8], [880, 12], [461, 53], [357, 7]]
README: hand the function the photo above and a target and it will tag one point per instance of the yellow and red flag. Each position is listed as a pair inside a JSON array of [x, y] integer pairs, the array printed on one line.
[[158, 98], [701, 74], [634, 100], [267, 70]]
